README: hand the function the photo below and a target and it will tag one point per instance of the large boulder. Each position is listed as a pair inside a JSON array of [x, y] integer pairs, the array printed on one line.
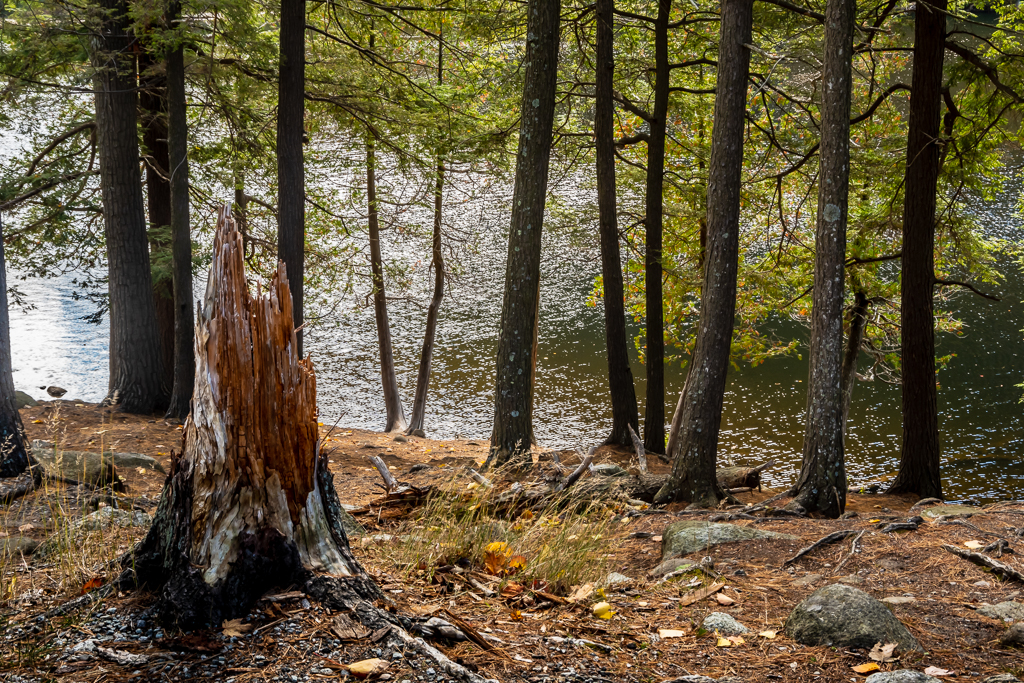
[[1005, 611], [23, 400], [76, 467], [843, 616], [901, 676], [120, 460], [683, 538], [17, 545]]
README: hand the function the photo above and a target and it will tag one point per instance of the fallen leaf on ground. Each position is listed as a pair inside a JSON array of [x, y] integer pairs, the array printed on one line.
[[724, 600], [700, 594], [581, 593], [670, 633], [603, 610], [883, 653], [866, 668], [516, 615], [974, 545], [768, 634], [367, 667], [936, 671], [92, 584], [346, 629], [235, 628], [736, 640]]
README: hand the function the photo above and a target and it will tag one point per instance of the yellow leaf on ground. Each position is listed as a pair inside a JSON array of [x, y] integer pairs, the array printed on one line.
[[866, 668], [768, 634], [723, 642], [974, 545], [603, 610], [235, 628], [670, 633], [367, 667]]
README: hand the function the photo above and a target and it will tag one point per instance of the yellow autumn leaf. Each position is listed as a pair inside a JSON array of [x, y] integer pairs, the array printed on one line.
[[724, 642], [866, 668], [768, 634], [603, 610]]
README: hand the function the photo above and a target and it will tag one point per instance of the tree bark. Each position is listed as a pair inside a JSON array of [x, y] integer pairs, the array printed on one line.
[[181, 233], [291, 192], [419, 404], [513, 394], [14, 457], [919, 470], [153, 110], [821, 486], [654, 415], [249, 504], [854, 341], [392, 399], [620, 375], [698, 415], [136, 367]]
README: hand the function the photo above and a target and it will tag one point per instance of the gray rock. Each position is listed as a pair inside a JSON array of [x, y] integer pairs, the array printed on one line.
[[852, 580], [23, 400], [1006, 611], [1013, 636], [724, 624], [683, 538], [76, 467], [844, 616], [901, 676], [950, 511], [123, 460], [899, 600], [807, 580], [17, 545], [609, 469], [101, 520], [1000, 678], [615, 578], [669, 566]]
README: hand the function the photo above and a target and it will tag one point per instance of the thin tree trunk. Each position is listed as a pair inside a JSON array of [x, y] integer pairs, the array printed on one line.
[[654, 415], [291, 183], [136, 367], [620, 375], [854, 340], [919, 470], [513, 394], [419, 405], [821, 486], [392, 399], [181, 233], [14, 457], [698, 416], [153, 108]]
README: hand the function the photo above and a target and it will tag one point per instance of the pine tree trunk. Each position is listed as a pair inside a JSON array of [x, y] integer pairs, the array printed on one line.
[[620, 375], [136, 362], [654, 415], [249, 504], [854, 341], [14, 457], [153, 112], [698, 415], [392, 399], [919, 470], [291, 183], [821, 486], [513, 394], [181, 232]]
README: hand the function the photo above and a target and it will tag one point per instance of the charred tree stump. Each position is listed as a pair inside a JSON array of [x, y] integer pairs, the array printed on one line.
[[249, 503]]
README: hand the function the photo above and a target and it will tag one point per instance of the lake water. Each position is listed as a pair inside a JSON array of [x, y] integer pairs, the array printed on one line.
[[980, 415]]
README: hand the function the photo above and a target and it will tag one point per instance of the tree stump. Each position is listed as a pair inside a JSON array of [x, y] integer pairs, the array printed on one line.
[[249, 504]]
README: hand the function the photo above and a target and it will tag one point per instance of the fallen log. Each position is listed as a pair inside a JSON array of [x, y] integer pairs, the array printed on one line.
[[741, 477], [998, 568]]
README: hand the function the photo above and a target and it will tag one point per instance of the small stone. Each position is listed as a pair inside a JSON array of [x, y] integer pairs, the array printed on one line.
[[1006, 611], [852, 580], [420, 433], [901, 676], [724, 624], [899, 600], [937, 511], [615, 578], [808, 580], [849, 515], [1013, 636], [23, 400], [982, 584]]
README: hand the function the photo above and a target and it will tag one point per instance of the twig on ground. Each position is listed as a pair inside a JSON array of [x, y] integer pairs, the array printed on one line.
[[641, 454], [831, 538], [997, 567], [849, 555]]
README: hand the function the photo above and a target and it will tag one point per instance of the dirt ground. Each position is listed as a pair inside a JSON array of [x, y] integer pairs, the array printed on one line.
[[529, 637]]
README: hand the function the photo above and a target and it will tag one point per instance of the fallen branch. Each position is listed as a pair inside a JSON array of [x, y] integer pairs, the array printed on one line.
[[997, 567], [390, 484], [22, 485], [849, 555], [474, 635], [998, 547], [641, 454], [479, 478], [578, 472], [831, 538]]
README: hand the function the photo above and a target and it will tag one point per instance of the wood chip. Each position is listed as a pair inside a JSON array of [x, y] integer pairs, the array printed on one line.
[[700, 594]]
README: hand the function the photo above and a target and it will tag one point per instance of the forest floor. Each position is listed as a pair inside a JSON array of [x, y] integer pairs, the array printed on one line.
[[531, 628]]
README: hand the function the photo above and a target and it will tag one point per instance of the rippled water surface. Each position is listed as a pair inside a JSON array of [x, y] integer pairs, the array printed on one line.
[[980, 414]]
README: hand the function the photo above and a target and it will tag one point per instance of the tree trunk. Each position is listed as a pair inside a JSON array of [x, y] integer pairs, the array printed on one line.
[[181, 233], [919, 470], [620, 375], [153, 108], [821, 486], [248, 505], [854, 340], [291, 192], [419, 404], [698, 416], [654, 416], [14, 457], [513, 394], [392, 399], [136, 367]]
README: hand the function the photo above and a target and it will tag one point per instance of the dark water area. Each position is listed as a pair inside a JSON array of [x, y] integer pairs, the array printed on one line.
[[981, 427]]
